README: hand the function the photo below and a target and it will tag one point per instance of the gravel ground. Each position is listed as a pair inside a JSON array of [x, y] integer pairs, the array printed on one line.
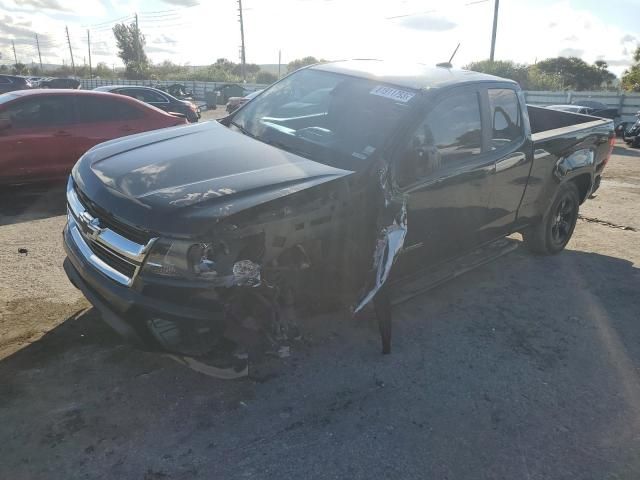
[[526, 368]]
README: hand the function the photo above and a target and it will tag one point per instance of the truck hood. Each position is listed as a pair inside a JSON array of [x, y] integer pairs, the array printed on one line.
[[174, 180]]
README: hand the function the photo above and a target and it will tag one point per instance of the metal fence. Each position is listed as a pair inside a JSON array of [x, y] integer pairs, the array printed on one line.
[[628, 104]]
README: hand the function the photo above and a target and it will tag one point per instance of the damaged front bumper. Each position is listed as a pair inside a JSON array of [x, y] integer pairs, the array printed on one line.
[[180, 310]]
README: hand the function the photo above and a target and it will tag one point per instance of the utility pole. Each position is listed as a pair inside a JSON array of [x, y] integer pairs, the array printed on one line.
[[495, 27], [73, 64], [89, 48], [15, 57], [39, 56], [242, 53]]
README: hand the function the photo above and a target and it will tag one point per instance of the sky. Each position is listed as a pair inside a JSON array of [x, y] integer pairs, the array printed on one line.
[[197, 32]]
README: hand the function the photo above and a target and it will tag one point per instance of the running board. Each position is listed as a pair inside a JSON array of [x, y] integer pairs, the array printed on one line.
[[422, 281]]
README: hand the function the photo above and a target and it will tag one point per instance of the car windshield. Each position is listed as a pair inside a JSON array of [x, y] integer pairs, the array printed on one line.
[[327, 117]]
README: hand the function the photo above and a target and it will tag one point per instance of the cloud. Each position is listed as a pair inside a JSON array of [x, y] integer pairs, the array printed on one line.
[[152, 49], [628, 38], [571, 52], [618, 63], [426, 22], [182, 3], [163, 39], [46, 4]]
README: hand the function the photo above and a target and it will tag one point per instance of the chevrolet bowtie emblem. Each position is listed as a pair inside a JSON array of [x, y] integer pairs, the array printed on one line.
[[91, 225]]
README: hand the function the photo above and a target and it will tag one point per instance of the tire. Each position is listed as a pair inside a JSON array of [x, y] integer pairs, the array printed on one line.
[[554, 231], [636, 142]]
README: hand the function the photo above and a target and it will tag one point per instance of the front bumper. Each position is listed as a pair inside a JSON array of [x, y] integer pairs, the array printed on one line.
[[129, 310]]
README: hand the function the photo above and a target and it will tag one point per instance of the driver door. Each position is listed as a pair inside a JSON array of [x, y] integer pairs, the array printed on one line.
[[447, 179]]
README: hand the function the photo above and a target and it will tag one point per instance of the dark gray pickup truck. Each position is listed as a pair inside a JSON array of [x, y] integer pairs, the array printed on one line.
[[176, 235]]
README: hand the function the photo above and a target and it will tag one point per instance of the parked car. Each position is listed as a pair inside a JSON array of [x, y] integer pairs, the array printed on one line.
[[632, 134], [599, 109], [157, 98], [595, 109], [35, 81], [70, 83], [235, 103], [210, 224], [10, 83], [622, 127], [44, 132]]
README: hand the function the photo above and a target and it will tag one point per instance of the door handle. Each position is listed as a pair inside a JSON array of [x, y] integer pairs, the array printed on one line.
[[510, 161], [62, 133], [127, 129]]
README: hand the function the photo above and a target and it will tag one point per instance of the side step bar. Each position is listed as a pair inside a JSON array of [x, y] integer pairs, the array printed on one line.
[[411, 286]]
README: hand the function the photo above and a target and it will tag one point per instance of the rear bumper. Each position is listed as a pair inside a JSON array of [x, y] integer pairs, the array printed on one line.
[[128, 310]]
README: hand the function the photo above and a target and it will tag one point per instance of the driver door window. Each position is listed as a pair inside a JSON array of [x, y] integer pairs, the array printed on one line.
[[450, 134], [505, 112]]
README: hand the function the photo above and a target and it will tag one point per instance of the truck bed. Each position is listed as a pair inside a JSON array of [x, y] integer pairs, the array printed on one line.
[[546, 123]]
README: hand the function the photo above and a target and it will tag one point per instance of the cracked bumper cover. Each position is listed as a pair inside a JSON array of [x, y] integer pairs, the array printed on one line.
[[126, 309]]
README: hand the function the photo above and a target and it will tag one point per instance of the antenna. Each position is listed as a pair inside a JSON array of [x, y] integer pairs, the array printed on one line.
[[448, 64]]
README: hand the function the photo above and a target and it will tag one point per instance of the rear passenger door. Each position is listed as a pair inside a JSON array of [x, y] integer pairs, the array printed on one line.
[[105, 118], [447, 178], [39, 145], [510, 147]]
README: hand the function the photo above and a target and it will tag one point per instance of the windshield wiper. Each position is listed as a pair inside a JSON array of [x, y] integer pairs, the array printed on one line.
[[287, 148], [273, 143], [242, 129]]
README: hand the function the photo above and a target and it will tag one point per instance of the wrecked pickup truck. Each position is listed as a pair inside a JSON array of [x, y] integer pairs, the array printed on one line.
[[179, 234]]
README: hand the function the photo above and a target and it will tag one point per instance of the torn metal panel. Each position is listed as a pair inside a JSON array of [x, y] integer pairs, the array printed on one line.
[[390, 240], [387, 249]]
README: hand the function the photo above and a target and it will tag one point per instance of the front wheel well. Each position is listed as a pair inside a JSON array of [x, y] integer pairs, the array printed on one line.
[[583, 182]]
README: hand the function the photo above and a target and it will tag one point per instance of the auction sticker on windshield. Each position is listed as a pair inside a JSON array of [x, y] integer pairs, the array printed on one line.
[[392, 93]]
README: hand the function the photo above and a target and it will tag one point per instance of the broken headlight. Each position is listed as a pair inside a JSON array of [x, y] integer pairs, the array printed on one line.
[[200, 261], [182, 259]]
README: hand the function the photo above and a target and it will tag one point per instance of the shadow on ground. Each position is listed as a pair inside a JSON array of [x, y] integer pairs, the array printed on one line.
[[525, 368], [626, 152], [24, 203]]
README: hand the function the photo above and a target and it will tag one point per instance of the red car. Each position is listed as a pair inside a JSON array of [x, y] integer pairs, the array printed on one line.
[[44, 132]]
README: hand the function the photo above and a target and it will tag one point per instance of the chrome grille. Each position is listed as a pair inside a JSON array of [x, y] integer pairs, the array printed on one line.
[[107, 250]]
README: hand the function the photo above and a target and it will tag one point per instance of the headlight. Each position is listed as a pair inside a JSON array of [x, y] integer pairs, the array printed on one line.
[[180, 258], [200, 261]]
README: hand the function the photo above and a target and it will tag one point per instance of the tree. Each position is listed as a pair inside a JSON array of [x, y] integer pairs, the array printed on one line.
[[131, 50], [20, 69], [576, 74], [527, 76], [103, 71], [631, 77], [502, 68], [302, 62], [265, 77]]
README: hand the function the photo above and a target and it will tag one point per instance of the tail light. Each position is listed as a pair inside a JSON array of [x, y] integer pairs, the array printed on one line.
[[612, 143]]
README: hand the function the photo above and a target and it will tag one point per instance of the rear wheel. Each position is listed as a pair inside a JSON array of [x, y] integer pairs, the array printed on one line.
[[554, 231]]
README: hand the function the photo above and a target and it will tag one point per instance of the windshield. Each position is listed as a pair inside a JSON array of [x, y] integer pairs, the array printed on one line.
[[327, 117]]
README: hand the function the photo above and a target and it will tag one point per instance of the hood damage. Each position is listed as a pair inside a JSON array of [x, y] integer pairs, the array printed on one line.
[[297, 252]]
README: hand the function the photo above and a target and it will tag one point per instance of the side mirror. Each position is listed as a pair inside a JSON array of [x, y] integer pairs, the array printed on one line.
[[5, 124]]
